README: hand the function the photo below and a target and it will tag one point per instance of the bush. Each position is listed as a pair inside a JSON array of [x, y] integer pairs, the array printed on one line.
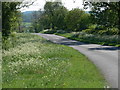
[[92, 26], [9, 42], [99, 27], [102, 32], [89, 31], [61, 31], [6, 43], [112, 31], [50, 32]]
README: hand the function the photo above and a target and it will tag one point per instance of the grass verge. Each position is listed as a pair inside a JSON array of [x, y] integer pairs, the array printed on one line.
[[37, 63], [111, 40]]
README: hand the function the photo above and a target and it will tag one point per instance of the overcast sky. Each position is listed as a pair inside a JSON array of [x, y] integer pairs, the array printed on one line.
[[69, 4]]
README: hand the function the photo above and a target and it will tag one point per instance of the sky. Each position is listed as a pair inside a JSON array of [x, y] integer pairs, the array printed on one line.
[[69, 4]]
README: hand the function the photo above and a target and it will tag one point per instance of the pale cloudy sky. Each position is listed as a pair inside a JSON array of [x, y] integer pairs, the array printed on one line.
[[69, 4]]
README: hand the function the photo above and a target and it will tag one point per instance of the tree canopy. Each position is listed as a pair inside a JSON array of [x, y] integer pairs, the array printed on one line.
[[77, 19], [10, 15], [105, 13], [9, 10], [56, 16]]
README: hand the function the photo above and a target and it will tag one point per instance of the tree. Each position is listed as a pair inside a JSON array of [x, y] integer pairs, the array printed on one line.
[[58, 17], [105, 13], [77, 19], [9, 9], [55, 14], [52, 17], [35, 22], [10, 16]]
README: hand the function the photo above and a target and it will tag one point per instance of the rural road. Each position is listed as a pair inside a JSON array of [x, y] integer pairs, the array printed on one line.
[[104, 57]]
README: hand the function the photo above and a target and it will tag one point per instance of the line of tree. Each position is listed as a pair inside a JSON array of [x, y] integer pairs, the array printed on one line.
[[55, 17]]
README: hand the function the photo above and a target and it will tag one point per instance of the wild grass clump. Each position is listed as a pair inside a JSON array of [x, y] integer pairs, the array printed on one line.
[[9, 42]]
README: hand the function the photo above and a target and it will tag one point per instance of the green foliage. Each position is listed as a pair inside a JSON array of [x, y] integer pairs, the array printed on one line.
[[89, 31], [58, 17], [50, 31], [100, 27], [77, 20], [52, 17], [102, 39], [36, 25], [9, 17], [112, 31], [105, 13], [10, 42], [61, 31], [93, 26]]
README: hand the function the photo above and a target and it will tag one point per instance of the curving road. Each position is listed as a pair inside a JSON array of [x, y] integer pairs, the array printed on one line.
[[104, 57]]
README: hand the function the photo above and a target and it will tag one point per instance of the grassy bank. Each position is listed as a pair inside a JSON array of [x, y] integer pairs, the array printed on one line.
[[37, 63], [111, 40]]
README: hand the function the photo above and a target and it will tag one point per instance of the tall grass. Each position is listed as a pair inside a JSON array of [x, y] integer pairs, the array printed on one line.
[[112, 40], [37, 63]]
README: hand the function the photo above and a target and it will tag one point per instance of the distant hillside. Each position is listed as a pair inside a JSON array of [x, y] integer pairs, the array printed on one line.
[[87, 11], [28, 15]]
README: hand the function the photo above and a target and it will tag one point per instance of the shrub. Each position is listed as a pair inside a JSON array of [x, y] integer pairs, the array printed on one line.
[[102, 32], [50, 32], [112, 31], [61, 31], [99, 27], [92, 26], [89, 31], [6, 43], [10, 41]]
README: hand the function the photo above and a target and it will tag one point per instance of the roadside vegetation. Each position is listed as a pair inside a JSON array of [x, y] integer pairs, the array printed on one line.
[[30, 61], [95, 26], [37, 63], [111, 40]]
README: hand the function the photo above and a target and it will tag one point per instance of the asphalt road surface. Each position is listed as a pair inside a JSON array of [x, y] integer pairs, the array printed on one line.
[[104, 57]]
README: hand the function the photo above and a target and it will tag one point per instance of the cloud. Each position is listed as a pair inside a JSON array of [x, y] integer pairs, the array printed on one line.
[[69, 4]]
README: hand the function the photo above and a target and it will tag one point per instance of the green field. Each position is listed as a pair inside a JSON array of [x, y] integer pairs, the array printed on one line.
[[27, 24], [37, 63]]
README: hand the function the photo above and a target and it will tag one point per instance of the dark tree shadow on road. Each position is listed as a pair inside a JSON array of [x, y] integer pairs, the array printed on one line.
[[72, 42], [66, 41], [105, 48]]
